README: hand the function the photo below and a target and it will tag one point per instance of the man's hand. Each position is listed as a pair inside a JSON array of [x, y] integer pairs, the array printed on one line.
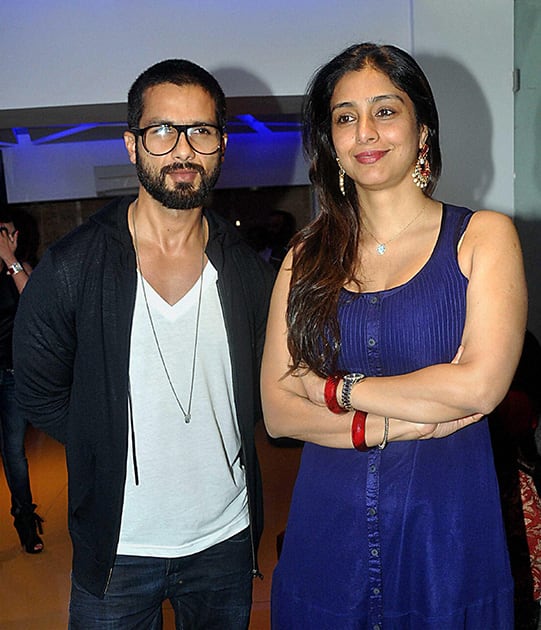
[[8, 245]]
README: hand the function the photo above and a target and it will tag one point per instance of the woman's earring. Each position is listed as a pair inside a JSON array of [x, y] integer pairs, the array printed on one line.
[[341, 178], [421, 172]]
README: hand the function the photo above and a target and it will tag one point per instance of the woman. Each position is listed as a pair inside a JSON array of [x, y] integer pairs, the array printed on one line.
[[423, 306], [13, 278]]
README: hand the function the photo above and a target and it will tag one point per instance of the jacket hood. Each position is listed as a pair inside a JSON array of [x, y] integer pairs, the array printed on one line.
[[114, 218]]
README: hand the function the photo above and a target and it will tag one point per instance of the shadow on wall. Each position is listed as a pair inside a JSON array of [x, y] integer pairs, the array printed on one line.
[[264, 147], [466, 134], [466, 131]]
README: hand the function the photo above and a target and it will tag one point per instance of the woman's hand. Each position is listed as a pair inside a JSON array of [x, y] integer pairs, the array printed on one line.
[[402, 430], [443, 429], [314, 387]]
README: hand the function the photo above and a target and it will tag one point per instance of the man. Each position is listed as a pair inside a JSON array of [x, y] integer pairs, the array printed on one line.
[[138, 344]]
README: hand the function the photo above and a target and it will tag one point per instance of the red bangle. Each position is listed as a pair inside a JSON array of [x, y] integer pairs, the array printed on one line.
[[358, 430], [331, 385]]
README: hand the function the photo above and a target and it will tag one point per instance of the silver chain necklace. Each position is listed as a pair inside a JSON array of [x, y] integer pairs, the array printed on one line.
[[186, 412], [382, 247]]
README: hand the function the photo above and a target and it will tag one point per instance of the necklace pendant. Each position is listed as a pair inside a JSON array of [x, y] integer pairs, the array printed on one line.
[[381, 249], [187, 418]]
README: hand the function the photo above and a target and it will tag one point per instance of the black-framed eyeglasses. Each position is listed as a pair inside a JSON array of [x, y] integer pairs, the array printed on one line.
[[161, 139]]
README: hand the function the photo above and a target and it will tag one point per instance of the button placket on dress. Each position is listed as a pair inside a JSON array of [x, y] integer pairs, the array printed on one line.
[[374, 549], [375, 580]]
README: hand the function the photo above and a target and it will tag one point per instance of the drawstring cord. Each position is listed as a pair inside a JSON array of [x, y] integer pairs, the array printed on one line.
[[132, 432]]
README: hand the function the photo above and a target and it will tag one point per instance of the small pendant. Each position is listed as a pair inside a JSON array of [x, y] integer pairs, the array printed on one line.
[[381, 249], [187, 418]]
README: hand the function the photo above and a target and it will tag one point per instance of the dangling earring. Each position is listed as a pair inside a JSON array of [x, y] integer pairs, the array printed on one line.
[[341, 178], [421, 172]]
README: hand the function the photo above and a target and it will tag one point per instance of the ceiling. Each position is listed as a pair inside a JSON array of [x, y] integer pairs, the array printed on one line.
[[86, 123]]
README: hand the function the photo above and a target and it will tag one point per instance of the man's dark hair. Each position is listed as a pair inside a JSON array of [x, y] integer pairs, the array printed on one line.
[[6, 216], [179, 72]]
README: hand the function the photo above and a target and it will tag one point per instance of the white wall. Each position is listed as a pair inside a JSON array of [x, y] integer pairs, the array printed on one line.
[[466, 48], [528, 148], [66, 52]]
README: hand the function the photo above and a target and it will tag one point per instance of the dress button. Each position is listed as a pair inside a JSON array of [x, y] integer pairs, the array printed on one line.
[[373, 300], [372, 468], [372, 512], [375, 591], [375, 553], [376, 626], [371, 342]]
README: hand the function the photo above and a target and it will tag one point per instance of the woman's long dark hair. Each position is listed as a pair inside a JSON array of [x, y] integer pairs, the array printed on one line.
[[325, 251]]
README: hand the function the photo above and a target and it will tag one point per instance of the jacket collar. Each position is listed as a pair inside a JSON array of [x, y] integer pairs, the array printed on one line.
[[114, 219]]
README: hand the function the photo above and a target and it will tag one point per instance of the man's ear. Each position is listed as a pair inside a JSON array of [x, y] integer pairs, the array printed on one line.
[[130, 142], [224, 145]]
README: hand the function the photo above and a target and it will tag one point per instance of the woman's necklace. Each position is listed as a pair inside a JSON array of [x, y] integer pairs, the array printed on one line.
[[382, 247], [186, 412]]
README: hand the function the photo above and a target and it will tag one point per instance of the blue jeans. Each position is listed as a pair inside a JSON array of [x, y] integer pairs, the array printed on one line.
[[209, 590], [12, 432]]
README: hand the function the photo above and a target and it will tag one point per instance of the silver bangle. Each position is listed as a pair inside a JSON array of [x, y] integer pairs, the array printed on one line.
[[385, 435]]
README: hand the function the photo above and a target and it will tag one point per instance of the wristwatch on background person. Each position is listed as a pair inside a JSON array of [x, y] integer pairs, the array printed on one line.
[[16, 267], [349, 381]]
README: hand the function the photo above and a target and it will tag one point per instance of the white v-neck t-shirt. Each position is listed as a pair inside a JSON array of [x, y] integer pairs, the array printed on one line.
[[192, 487]]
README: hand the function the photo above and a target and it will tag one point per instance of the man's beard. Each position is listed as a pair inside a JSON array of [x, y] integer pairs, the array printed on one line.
[[182, 196]]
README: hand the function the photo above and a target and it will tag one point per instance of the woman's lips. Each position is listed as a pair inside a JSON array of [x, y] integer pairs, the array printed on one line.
[[369, 157]]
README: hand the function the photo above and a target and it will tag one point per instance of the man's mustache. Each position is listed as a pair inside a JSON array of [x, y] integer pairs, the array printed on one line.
[[182, 166]]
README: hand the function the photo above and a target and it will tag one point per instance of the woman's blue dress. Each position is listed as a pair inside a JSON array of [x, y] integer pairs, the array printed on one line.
[[410, 536]]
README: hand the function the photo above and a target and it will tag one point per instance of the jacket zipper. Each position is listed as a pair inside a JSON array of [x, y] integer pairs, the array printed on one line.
[[108, 580]]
